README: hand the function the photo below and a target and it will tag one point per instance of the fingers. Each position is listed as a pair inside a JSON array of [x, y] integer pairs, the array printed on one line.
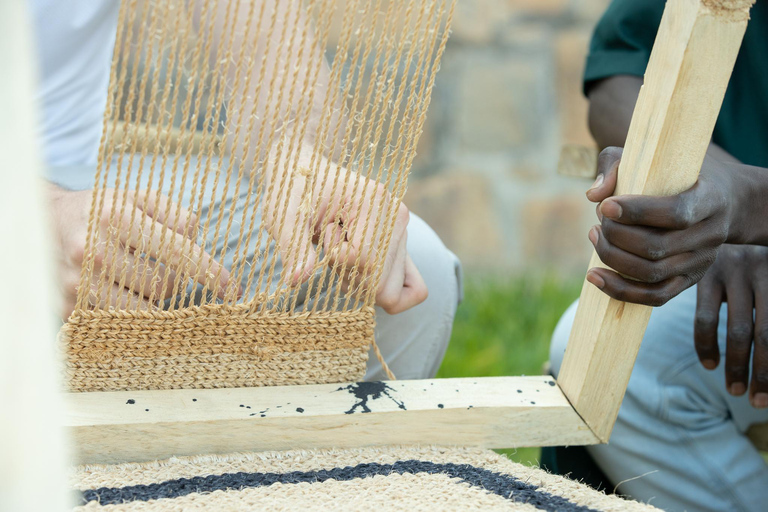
[[607, 173], [620, 288], [118, 297], [299, 257], [739, 335], [656, 244], [758, 389], [146, 277], [389, 294], [649, 271], [709, 297], [174, 251], [164, 211], [415, 288], [680, 211]]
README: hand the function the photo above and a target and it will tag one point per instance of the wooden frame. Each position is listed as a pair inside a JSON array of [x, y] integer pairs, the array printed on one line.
[[687, 76], [32, 443]]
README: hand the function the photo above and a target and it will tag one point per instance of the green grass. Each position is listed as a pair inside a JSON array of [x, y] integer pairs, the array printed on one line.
[[503, 327]]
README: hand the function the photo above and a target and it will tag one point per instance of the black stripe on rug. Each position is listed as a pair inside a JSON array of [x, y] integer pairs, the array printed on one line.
[[502, 485]]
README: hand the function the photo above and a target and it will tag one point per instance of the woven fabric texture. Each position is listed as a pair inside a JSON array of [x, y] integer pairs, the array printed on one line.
[[392, 478], [318, 106], [214, 347]]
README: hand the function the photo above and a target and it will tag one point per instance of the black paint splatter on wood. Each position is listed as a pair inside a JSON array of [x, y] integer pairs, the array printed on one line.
[[194, 399], [519, 390], [131, 401], [146, 410], [551, 382], [365, 391], [440, 406], [299, 409]]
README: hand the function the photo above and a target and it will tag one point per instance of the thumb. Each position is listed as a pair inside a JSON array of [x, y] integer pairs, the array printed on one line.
[[607, 174]]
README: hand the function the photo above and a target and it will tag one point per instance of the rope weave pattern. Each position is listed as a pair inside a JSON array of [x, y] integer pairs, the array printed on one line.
[[248, 188]]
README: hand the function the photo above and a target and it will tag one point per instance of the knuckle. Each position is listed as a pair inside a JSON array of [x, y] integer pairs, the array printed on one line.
[[740, 332], [609, 155], [657, 272], [761, 337], [706, 320], [683, 213], [656, 248], [761, 376]]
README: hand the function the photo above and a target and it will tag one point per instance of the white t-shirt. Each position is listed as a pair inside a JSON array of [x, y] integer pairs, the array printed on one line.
[[75, 41]]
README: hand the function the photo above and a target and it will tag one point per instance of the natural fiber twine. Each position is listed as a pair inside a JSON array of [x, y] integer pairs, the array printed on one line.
[[213, 347], [319, 147], [391, 478]]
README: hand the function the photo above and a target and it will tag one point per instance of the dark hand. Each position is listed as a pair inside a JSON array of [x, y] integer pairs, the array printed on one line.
[[663, 244], [740, 278]]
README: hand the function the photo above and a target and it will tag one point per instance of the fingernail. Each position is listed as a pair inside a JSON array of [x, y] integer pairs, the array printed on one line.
[[738, 389], [611, 209], [760, 400], [709, 364], [596, 280], [598, 182], [594, 236]]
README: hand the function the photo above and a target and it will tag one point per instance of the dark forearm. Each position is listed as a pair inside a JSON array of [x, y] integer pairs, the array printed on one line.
[[611, 103]]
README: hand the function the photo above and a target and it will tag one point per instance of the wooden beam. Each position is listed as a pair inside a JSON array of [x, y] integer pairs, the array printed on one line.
[[33, 453], [498, 412], [685, 82]]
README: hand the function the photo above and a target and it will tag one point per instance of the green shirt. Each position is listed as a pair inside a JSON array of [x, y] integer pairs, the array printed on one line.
[[621, 45]]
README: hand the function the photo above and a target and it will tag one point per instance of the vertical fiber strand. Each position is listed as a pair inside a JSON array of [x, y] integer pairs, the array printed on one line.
[[115, 78], [132, 120], [422, 116]]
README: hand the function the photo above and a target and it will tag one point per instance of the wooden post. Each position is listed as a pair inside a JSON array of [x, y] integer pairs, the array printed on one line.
[[685, 83], [32, 454]]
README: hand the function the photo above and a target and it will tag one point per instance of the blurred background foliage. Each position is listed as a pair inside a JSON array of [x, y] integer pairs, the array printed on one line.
[[503, 327]]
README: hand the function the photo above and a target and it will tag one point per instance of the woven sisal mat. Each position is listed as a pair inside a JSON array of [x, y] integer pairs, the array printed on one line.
[[392, 478]]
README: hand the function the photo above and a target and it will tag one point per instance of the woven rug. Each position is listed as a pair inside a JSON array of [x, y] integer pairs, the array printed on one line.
[[392, 478]]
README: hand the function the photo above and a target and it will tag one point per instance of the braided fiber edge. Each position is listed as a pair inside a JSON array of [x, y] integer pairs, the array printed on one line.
[[213, 346]]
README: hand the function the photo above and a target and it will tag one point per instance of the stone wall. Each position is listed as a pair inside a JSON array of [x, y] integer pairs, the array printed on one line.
[[507, 97]]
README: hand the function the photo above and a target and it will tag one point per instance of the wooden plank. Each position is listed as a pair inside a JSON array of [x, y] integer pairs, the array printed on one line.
[[32, 446], [497, 412], [685, 82]]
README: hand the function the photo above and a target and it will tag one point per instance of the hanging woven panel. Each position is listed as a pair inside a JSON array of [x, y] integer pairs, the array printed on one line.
[[253, 160]]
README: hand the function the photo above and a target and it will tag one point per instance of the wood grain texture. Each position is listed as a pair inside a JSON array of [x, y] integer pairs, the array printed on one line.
[[685, 82], [32, 445], [492, 412]]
